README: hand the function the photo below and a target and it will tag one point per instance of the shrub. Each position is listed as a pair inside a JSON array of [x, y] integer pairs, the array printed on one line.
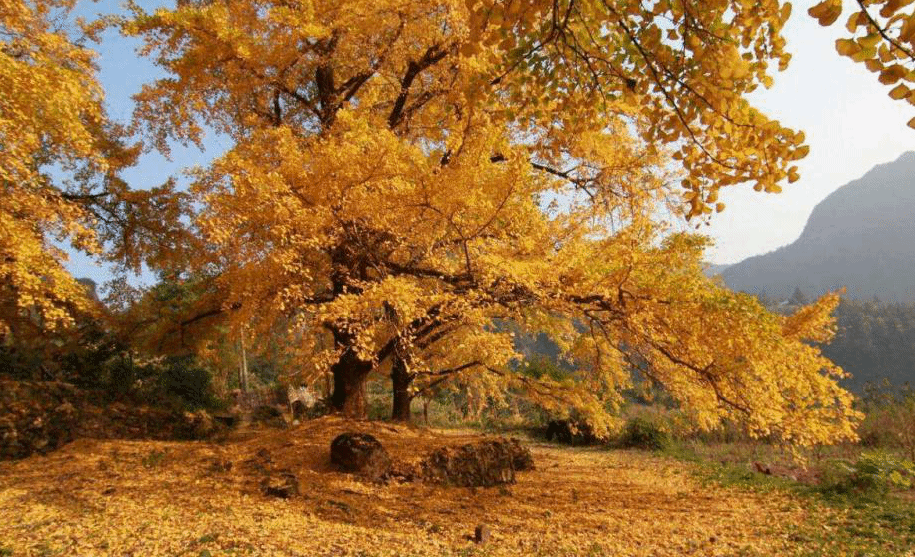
[[873, 473], [571, 432], [540, 367], [890, 418], [183, 381], [640, 433]]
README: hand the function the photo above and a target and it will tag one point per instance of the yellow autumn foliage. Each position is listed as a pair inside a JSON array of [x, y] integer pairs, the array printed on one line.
[[50, 113], [408, 175], [882, 37]]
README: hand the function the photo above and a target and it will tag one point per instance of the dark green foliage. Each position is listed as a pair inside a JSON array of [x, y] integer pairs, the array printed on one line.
[[874, 341], [873, 474], [183, 380], [18, 362], [176, 381], [541, 366], [640, 433], [97, 361], [890, 418]]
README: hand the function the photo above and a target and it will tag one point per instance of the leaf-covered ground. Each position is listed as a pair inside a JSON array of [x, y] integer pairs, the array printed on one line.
[[160, 498]]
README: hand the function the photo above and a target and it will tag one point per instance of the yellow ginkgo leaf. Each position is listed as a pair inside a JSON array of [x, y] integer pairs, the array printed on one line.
[[847, 47], [826, 12], [899, 92], [893, 74]]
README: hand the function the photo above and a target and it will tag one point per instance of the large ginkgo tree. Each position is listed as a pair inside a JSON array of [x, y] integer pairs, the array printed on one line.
[[408, 177]]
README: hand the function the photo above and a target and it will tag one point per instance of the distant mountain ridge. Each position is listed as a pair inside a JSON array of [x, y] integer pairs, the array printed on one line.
[[712, 269], [861, 237]]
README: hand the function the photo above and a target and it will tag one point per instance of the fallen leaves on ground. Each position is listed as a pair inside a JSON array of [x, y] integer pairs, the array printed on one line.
[[144, 498]]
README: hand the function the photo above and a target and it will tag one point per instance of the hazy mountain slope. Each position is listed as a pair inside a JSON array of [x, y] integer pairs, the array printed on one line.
[[862, 236], [713, 269]]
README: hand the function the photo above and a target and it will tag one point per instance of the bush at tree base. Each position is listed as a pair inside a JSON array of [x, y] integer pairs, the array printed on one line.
[[640, 433]]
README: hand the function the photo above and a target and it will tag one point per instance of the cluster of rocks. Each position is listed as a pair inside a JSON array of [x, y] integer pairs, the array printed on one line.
[[39, 416], [482, 464]]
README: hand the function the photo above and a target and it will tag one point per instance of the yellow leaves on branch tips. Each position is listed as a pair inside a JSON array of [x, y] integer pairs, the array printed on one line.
[[882, 37], [826, 12]]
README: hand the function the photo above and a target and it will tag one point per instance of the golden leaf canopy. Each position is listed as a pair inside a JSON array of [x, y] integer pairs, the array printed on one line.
[[409, 176], [50, 113]]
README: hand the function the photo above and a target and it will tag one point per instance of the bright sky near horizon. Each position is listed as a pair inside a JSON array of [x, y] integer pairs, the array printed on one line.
[[851, 126], [850, 123]]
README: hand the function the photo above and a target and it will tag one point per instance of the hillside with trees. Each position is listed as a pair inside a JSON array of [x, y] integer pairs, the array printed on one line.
[[874, 342]]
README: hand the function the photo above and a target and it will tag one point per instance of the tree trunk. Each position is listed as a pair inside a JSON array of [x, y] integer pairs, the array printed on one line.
[[350, 375], [243, 365], [401, 379]]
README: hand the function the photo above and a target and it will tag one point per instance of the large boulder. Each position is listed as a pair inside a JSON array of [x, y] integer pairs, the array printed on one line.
[[482, 464], [360, 454]]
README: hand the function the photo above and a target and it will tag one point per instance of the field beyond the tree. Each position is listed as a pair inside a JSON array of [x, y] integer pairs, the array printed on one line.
[[145, 498]]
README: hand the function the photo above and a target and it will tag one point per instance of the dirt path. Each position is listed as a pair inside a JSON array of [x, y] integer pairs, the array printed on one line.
[[154, 498]]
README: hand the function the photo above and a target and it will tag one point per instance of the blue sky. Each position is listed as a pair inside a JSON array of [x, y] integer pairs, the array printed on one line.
[[850, 122]]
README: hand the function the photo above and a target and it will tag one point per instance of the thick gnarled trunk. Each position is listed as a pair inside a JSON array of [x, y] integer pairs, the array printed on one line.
[[350, 375], [401, 379]]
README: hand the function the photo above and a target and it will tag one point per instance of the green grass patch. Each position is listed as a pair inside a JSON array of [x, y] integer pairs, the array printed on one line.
[[869, 522]]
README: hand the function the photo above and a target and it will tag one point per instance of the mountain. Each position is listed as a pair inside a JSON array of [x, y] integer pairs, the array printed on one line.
[[862, 237], [713, 269]]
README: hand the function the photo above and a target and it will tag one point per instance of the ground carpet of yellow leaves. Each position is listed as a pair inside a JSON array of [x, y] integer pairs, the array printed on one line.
[[144, 498]]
